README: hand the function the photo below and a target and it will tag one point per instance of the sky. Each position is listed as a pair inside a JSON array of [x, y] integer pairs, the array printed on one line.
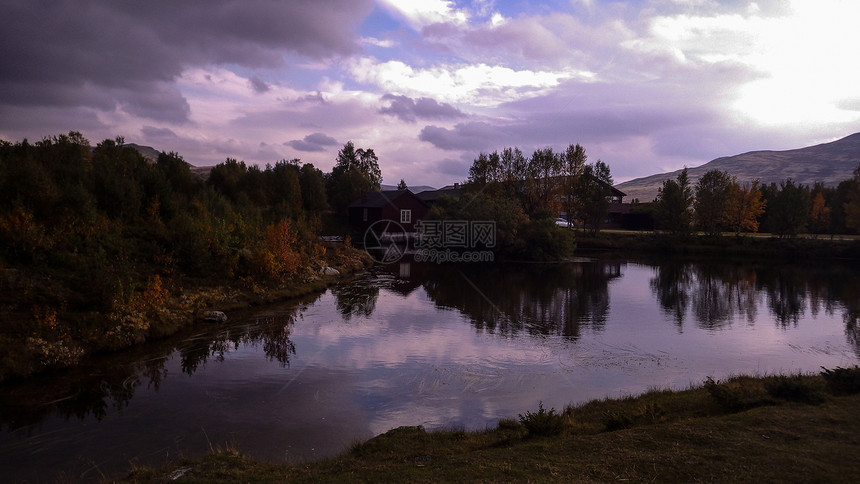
[[647, 86]]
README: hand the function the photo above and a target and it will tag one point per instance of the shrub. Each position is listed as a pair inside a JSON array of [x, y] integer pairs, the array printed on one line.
[[842, 381], [618, 420], [642, 414], [794, 388], [509, 424], [738, 393], [543, 422]]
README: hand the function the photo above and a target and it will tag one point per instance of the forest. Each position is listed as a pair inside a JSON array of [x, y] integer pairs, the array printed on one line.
[[101, 248]]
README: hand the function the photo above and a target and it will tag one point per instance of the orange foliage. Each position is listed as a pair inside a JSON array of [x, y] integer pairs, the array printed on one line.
[[278, 258]]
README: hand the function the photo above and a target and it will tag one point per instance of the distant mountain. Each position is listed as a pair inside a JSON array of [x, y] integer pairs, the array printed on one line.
[[148, 152], [829, 163], [415, 189]]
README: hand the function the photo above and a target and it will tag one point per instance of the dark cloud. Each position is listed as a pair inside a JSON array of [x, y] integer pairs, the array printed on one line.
[[457, 168], [312, 142], [103, 54], [152, 132], [258, 85], [474, 136], [410, 110]]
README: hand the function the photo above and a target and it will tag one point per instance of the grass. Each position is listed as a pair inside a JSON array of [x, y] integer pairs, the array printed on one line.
[[771, 431]]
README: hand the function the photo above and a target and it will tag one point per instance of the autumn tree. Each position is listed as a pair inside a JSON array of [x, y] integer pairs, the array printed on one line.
[[819, 211], [712, 193], [744, 206], [673, 207]]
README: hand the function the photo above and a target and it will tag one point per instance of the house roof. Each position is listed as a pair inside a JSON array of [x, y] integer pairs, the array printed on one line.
[[381, 198], [430, 196]]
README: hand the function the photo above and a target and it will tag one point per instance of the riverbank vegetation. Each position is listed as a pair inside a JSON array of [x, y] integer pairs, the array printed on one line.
[[101, 248], [779, 428], [720, 203]]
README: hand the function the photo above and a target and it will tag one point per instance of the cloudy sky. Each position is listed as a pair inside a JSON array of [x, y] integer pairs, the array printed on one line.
[[645, 85]]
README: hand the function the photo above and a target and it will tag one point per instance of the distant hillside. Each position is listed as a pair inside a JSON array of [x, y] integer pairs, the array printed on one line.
[[413, 189], [148, 152], [829, 163]]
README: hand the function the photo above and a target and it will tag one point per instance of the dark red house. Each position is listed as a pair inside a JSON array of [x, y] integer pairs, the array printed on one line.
[[400, 206]]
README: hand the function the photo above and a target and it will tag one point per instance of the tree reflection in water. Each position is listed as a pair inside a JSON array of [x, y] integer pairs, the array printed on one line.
[[540, 299], [110, 381], [722, 292], [564, 299]]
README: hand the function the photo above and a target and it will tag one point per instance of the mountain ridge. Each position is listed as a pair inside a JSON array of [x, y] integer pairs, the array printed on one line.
[[829, 163]]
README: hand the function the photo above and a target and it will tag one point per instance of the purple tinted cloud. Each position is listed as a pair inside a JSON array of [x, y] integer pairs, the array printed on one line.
[[474, 136], [410, 110], [312, 142], [127, 51]]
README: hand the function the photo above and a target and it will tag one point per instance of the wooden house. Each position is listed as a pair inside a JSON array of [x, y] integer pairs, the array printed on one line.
[[400, 206]]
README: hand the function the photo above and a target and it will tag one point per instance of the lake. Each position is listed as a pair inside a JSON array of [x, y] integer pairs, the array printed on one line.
[[452, 346]]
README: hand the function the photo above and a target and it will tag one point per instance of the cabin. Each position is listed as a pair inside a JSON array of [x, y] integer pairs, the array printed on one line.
[[431, 196], [400, 206]]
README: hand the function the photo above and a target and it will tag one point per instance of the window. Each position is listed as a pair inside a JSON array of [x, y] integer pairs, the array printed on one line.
[[406, 216]]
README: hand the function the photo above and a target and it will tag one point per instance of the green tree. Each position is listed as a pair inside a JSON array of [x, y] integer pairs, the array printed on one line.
[[355, 172], [401, 185], [852, 202], [312, 184], [672, 209], [283, 190], [712, 195], [789, 209], [572, 166], [594, 192], [226, 177]]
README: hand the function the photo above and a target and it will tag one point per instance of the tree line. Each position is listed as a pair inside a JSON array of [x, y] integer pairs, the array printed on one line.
[[719, 203], [524, 195], [97, 241], [548, 182]]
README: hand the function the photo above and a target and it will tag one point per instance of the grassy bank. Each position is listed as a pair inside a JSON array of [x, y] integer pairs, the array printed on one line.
[[759, 246], [744, 429]]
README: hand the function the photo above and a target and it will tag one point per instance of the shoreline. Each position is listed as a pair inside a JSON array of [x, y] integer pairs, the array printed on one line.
[[182, 308], [773, 428]]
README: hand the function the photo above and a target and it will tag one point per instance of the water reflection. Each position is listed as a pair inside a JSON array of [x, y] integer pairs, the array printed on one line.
[[445, 345], [109, 382], [720, 293]]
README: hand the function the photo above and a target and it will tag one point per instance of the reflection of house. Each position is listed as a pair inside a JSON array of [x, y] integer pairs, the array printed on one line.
[[430, 196], [400, 206]]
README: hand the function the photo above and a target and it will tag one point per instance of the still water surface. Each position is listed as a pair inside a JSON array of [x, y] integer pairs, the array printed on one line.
[[441, 346]]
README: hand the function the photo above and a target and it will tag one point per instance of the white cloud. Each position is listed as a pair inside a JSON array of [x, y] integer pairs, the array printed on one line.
[[474, 84], [420, 13], [378, 42], [803, 63]]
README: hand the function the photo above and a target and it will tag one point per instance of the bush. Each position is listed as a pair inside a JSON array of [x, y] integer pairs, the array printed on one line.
[[842, 381], [543, 422], [794, 388], [736, 394]]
